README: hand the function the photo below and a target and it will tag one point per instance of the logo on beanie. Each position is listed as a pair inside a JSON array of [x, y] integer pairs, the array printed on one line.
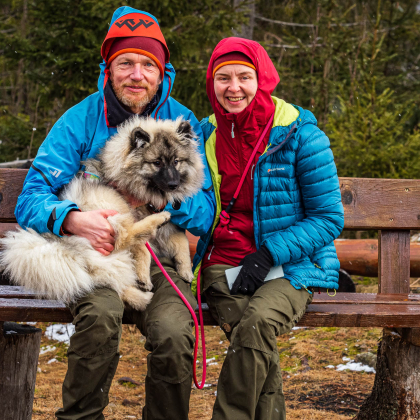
[[131, 24]]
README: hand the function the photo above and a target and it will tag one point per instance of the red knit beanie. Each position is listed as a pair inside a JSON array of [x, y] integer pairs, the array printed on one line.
[[232, 58], [149, 47]]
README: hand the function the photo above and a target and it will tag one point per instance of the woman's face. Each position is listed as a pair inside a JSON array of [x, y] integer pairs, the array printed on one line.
[[235, 86]]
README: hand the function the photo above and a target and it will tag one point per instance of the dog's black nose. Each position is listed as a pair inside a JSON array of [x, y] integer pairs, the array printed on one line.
[[173, 185]]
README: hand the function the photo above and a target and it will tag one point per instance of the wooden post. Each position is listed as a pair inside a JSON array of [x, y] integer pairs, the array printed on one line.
[[396, 393], [394, 261], [19, 351]]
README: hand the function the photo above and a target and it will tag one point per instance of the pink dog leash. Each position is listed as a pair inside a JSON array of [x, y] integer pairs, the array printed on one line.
[[192, 312]]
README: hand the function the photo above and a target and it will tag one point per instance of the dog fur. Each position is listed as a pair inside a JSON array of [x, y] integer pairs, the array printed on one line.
[[154, 161]]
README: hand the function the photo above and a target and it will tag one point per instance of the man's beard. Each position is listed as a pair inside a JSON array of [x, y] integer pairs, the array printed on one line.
[[133, 102]]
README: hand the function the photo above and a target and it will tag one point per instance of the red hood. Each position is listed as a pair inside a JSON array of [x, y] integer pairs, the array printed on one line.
[[236, 137], [262, 106]]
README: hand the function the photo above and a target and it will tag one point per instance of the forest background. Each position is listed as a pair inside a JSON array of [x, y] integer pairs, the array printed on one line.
[[354, 64]]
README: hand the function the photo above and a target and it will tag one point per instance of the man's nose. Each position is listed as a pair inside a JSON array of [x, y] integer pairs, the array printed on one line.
[[137, 73]]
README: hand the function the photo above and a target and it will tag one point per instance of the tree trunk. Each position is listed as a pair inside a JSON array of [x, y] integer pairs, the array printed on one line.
[[19, 350], [396, 391], [246, 31]]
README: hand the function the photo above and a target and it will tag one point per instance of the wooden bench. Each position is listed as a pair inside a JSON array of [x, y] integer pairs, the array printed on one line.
[[390, 206]]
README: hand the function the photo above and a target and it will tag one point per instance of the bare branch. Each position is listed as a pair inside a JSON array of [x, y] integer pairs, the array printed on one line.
[[305, 25]]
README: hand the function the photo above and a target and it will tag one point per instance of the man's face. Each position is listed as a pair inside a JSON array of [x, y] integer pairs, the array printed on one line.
[[135, 79], [235, 86]]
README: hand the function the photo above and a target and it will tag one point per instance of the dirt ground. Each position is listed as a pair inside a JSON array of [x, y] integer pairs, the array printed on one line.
[[312, 391]]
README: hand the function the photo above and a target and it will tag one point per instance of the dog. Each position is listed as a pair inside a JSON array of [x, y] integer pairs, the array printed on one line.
[[155, 162]]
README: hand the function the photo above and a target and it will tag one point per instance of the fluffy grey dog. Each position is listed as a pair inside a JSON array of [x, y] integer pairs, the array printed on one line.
[[154, 161]]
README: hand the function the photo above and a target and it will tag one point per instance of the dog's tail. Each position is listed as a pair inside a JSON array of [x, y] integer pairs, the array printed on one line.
[[59, 268]]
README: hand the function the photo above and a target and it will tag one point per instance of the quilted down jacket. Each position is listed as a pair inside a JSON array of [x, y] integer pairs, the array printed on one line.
[[297, 207]]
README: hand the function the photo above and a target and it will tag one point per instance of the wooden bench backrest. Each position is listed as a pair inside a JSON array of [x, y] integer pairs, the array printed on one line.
[[391, 206]]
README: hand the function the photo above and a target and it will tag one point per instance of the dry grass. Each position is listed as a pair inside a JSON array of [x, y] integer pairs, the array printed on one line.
[[312, 392]]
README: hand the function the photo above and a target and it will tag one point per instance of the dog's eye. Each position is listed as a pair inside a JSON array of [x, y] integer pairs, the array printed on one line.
[[157, 163], [176, 161]]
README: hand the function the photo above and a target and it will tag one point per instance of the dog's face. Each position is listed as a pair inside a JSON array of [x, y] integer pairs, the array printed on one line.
[[157, 161], [166, 160]]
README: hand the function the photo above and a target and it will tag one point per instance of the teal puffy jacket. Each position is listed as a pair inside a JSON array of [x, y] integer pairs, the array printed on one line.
[[297, 202]]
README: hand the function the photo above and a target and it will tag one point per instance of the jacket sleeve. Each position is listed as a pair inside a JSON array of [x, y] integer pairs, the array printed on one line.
[[320, 191], [196, 213], [57, 161]]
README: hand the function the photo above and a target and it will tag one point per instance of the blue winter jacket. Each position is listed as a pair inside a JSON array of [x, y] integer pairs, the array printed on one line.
[[80, 134], [297, 202]]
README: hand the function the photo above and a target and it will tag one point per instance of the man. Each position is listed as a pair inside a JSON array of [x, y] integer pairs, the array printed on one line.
[[136, 78]]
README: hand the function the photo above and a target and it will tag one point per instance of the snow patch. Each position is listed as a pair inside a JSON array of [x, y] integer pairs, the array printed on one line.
[[356, 367], [352, 365], [60, 332], [47, 349]]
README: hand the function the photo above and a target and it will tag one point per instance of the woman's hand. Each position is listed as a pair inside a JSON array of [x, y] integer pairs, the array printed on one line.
[[94, 226], [255, 269]]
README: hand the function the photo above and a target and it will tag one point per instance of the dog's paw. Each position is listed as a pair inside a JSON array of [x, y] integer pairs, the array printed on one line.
[[166, 216], [185, 272], [146, 285]]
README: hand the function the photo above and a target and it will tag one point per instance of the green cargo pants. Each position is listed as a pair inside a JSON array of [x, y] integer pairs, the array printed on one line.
[[93, 354], [250, 383]]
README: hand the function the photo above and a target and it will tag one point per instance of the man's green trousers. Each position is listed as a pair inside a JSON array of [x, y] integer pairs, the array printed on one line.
[[93, 354]]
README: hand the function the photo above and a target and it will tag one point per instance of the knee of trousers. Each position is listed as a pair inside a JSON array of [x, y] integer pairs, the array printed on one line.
[[171, 343], [256, 331], [98, 326]]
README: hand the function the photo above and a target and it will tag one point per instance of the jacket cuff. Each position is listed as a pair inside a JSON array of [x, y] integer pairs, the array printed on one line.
[[59, 219]]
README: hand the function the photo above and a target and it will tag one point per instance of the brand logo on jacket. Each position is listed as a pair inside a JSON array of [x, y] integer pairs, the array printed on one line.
[[56, 173], [130, 23], [276, 169]]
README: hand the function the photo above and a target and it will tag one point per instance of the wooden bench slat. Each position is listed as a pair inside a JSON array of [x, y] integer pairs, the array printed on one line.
[[30, 310], [317, 315], [16, 292], [11, 183], [339, 298], [361, 316], [369, 203]]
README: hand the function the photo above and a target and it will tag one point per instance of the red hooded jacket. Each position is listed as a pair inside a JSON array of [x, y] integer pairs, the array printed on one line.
[[236, 137]]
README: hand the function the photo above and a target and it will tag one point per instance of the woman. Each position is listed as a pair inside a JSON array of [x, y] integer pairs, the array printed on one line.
[[287, 213]]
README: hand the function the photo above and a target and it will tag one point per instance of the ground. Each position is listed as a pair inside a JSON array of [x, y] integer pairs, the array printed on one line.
[[313, 391]]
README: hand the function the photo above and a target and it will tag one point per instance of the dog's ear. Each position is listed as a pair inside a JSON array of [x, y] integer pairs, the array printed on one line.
[[185, 130], [139, 138]]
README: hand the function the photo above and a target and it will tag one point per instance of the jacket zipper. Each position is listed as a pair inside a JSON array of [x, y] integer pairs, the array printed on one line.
[[167, 96], [233, 133], [208, 258]]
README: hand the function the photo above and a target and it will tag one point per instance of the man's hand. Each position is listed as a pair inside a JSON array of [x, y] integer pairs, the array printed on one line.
[[93, 226], [255, 269]]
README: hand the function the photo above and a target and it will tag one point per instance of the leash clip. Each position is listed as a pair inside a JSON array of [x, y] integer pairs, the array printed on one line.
[[224, 218]]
